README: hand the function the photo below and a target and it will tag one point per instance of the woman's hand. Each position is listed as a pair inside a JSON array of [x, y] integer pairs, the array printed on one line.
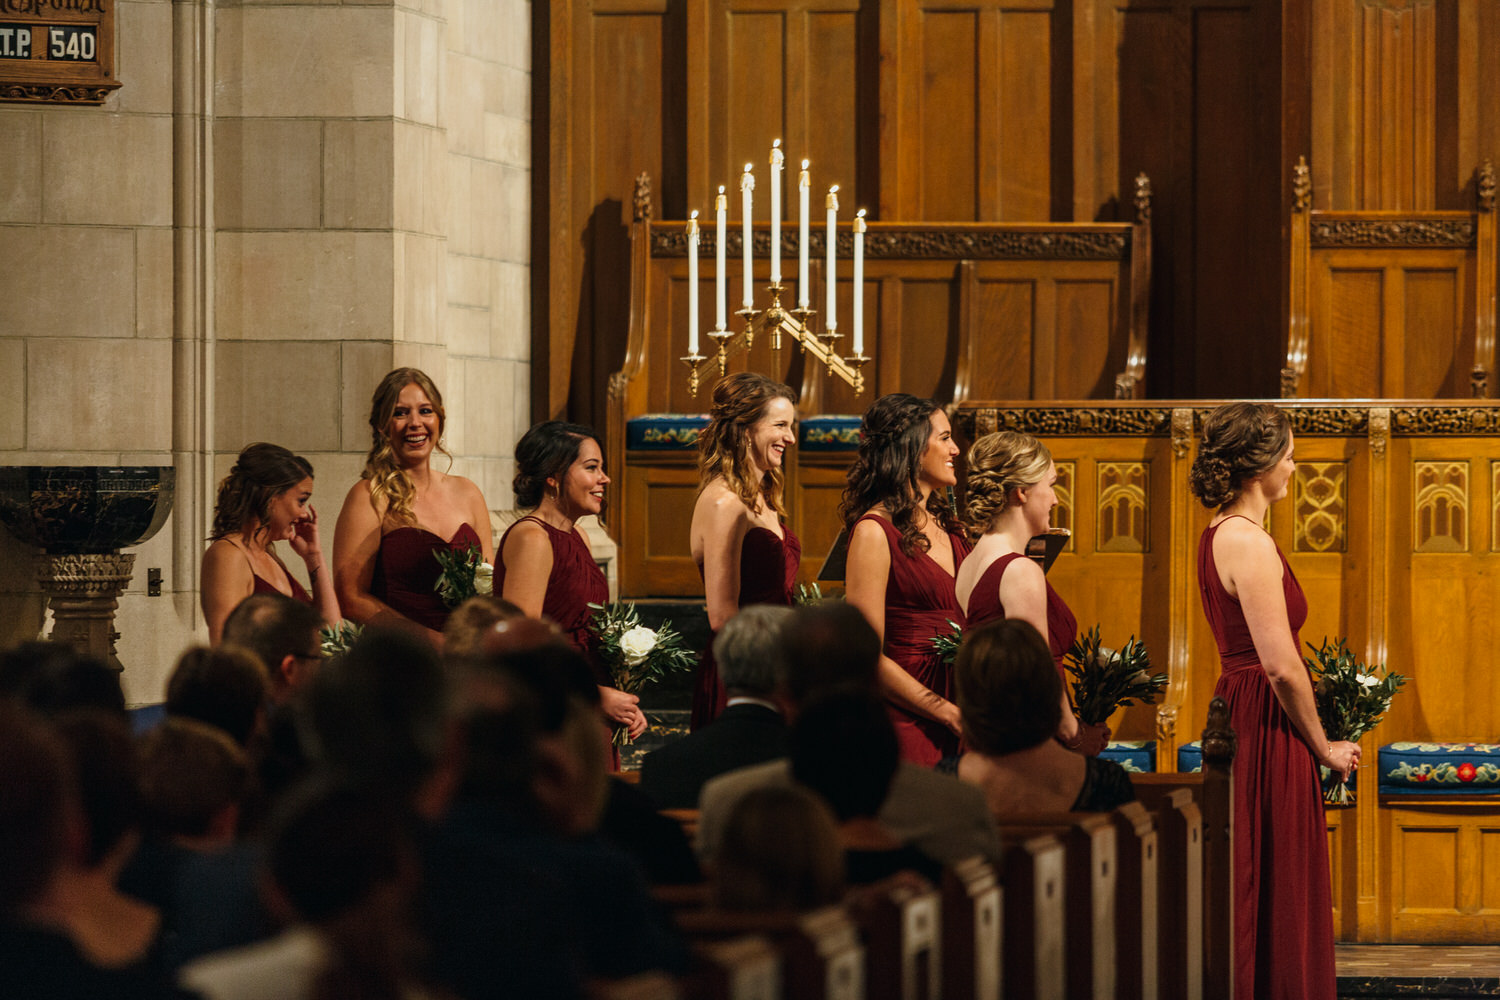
[[1342, 757], [619, 706], [950, 716], [305, 541], [1091, 739]]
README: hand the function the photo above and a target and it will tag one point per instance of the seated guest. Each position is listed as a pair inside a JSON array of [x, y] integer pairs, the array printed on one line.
[[844, 749], [40, 831], [830, 647], [191, 866], [340, 873], [750, 730], [49, 677], [464, 633], [780, 852], [283, 633], [1010, 699], [225, 687]]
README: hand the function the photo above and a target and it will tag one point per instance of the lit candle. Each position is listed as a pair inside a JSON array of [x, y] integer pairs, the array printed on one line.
[[804, 188], [721, 209], [859, 282], [777, 160], [692, 234], [747, 184], [832, 204]]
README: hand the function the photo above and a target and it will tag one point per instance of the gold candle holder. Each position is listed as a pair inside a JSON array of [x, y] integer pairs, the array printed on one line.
[[693, 361]]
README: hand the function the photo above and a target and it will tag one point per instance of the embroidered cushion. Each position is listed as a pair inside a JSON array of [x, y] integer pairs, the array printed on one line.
[[1439, 768], [1132, 755], [664, 431], [1190, 757], [829, 433]]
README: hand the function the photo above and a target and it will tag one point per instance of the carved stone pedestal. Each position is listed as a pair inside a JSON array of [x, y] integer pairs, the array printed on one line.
[[83, 592]]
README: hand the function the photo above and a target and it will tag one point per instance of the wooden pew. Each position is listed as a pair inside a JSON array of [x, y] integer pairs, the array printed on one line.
[[903, 935], [745, 968], [1089, 841], [1135, 910], [1034, 936], [645, 986], [821, 952], [1179, 828], [972, 938]]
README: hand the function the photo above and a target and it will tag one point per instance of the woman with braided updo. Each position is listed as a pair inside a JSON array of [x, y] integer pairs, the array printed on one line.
[[745, 551], [1254, 605], [905, 545], [1010, 497], [264, 499], [402, 511]]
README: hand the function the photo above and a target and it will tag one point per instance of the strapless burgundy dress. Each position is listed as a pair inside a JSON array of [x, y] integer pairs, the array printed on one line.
[[1283, 903], [406, 572], [768, 575], [919, 603], [576, 582], [984, 606]]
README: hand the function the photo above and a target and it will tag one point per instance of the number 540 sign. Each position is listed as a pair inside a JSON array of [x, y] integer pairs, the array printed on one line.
[[57, 51]]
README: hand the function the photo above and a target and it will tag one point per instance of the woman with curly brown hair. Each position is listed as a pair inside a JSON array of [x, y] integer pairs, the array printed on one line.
[[264, 499], [1255, 607], [403, 510], [1009, 498], [905, 547], [745, 551]]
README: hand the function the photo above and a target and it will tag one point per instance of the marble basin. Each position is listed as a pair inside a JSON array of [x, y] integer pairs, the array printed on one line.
[[73, 509]]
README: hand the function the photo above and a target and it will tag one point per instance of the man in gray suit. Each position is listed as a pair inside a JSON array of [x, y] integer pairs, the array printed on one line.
[[829, 646]]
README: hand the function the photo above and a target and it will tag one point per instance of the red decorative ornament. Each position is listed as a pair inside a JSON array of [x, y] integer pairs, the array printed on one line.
[[1466, 771]]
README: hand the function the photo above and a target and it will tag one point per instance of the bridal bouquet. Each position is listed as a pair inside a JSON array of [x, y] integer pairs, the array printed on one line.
[[465, 573], [1351, 699], [1104, 679], [336, 639], [637, 655], [946, 644]]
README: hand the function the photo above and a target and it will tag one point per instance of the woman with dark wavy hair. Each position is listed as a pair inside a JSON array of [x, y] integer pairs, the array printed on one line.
[[905, 547], [544, 565], [264, 500], [1255, 607], [745, 550], [403, 510]]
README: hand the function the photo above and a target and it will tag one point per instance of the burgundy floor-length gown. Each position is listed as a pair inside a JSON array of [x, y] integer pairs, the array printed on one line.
[[406, 573], [1283, 907], [984, 606], [919, 604], [576, 582], [768, 575]]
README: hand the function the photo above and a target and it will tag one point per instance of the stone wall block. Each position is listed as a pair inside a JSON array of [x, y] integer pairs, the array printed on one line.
[[154, 291], [21, 180], [358, 174], [107, 395], [82, 183], [362, 365], [12, 394], [419, 269], [139, 29], [68, 282], [306, 61], [282, 392], [305, 286], [268, 173], [510, 326]]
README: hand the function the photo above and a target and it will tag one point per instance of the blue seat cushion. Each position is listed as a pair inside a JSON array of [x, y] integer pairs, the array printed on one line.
[[664, 431], [1439, 768], [1190, 757], [835, 432], [1132, 755], [144, 718]]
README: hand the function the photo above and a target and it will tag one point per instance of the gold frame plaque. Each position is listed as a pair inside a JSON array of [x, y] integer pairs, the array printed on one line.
[[57, 51]]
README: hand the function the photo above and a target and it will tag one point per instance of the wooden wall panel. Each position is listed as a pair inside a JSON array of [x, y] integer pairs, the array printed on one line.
[[949, 132], [1437, 349], [1090, 356], [928, 310], [1006, 335]]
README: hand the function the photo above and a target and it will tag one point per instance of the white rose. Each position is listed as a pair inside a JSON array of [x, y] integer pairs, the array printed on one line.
[[484, 578], [637, 644], [1368, 680]]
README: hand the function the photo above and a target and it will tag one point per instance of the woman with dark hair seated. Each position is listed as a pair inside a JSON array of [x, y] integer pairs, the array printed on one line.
[[1010, 698], [843, 747]]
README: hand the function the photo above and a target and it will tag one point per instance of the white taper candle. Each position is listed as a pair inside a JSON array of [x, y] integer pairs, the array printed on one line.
[[804, 191], [777, 161], [831, 322], [747, 185], [721, 280], [692, 235], [859, 282]]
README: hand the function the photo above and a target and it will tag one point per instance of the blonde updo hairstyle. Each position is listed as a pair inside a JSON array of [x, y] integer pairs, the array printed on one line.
[[999, 463], [740, 401], [388, 481], [1240, 441]]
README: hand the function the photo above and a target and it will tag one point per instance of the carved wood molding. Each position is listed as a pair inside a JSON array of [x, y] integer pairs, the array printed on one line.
[[1182, 423], [1437, 421], [1068, 421], [1329, 421], [1301, 186], [670, 240], [1456, 233], [51, 93]]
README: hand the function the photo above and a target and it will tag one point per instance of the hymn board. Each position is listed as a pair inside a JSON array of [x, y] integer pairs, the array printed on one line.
[[57, 51]]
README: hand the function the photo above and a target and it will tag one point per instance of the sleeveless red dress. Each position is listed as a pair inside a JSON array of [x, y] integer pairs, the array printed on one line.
[[406, 572], [263, 586], [919, 603], [576, 582], [768, 575], [1283, 907], [984, 606]]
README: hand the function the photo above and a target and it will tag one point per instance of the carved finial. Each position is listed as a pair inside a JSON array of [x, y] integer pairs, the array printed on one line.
[[1479, 382], [1142, 198], [1301, 187], [1124, 386], [1378, 427], [642, 200], [1218, 737], [1182, 431], [1487, 186], [1289, 382]]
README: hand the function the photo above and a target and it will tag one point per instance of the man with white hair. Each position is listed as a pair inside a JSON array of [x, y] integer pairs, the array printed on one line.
[[752, 728]]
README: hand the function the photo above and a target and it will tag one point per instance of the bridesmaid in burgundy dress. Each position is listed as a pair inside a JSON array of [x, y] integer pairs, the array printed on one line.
[[402, 511], [264, 499], [545, 566], [1010, 497], [1283, 908], [905, 546], [745, 551]]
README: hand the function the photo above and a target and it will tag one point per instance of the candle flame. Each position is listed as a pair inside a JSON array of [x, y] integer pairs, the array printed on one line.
[[747, 167], [834, 189], [721, 189], [776, 144], [805, 164], [860, 213], [693, 214]]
